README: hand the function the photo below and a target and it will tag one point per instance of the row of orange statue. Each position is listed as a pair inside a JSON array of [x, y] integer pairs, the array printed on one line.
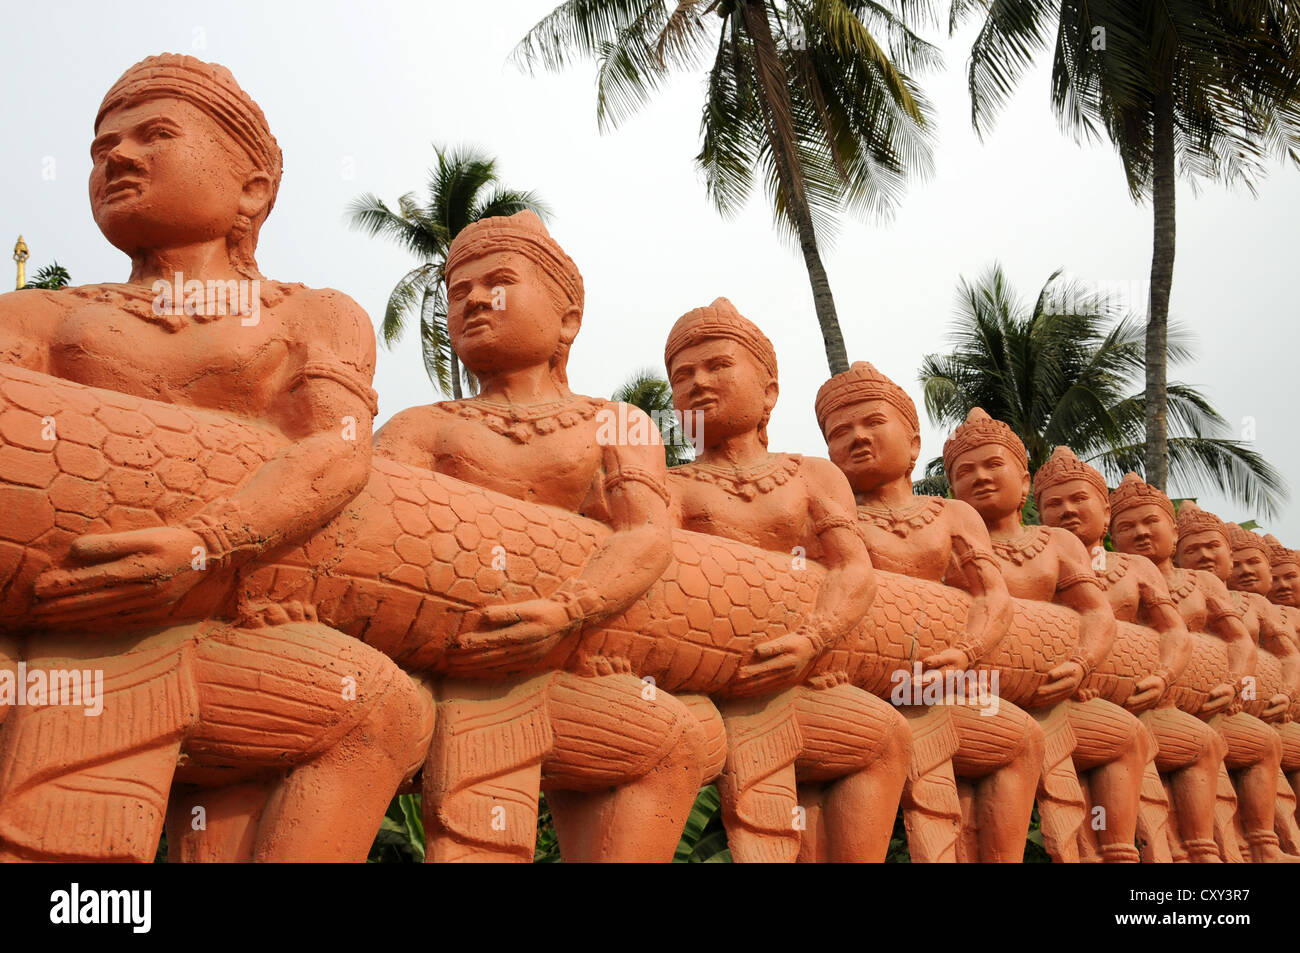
[[272, 622]]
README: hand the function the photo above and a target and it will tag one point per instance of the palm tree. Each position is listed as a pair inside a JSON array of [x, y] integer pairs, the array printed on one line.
[[1205, 87], [463, 188], [652, 393], [801, 93], [51, 278], [1064, 372]]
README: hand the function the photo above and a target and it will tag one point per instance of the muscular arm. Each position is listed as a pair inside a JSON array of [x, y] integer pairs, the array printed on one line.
[[1275, 635], [1156, 607], [327, 413], [635, 555], [1079, 588], [974, 569], [849, 587], [1224, 620]]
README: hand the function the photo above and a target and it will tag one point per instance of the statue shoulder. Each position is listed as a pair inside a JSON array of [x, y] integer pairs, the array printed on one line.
[[28, 318], [325, 319]]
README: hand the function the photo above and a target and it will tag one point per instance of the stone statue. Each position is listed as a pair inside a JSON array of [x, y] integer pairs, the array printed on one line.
[[1249, 583], [988, 468], [1144, 523], [160, 437], [1073, 496], [620, 762], [847, 750], [1284, 570], [873, 435]]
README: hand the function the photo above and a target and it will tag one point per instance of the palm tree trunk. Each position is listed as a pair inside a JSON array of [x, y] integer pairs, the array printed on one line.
[[1162, 278], [775, 98], [455, 374]]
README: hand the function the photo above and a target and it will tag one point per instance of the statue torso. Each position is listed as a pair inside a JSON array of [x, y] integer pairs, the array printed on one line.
[[107, 337], [765, 505], [1030, 564], [545, 453], [915, 540]]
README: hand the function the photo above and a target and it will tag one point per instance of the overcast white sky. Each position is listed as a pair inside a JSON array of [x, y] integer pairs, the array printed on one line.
[[356, 92]]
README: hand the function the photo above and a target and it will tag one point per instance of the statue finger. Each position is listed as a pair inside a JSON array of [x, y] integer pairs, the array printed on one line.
[[80, 607], [104, 546]]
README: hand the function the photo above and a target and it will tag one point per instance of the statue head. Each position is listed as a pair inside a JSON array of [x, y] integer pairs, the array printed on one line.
[[987, 466], [1073, 496], [1142, 520], [514, 298], [182, 156], [871, 428], [1250, 571], [722, 366], [1284, 565], [1203, 541]]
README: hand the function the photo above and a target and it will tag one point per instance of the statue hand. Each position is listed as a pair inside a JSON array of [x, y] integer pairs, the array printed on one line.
[[1146, 693], [514, 633], [1062, 682], [131, 570], [779, 660], [956, 659], [1277, 708], [1220, 697]]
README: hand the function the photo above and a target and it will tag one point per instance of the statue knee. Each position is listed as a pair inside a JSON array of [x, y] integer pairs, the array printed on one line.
[[1035, 743], [898, 740], [706, 735], [402, 721]]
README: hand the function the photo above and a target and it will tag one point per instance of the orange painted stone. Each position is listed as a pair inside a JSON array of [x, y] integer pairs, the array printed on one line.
[[156, 441]]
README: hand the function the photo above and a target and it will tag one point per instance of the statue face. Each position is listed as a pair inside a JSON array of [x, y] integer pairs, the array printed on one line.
[[502, 316], [872, 443], [1250, 572], [720, 379], [1075, 505], [1145, 530], [1206, 550], [164, 175], [1286, 585], [990, 480]]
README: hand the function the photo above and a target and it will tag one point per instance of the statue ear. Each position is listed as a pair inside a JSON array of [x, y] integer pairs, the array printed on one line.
[[770, 393], [256, 194], [570, 322]]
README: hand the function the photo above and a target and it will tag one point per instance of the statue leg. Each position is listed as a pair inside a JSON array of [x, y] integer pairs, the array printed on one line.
[[757, 784], [77, 787], [1114, 748], [483, 772], [932, 812], [1060, 799], [215, 824], [1254, 758], [351, 724], [1286, 820], [1190, 756], [857, 748], [627, 764], [1001, 755]]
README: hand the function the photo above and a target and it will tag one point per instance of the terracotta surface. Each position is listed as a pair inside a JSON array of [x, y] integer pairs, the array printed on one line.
[[1192, 552], [148, 456], [987, 466], [1072, 495], [512, 593], [971, 783], [825, 754]]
